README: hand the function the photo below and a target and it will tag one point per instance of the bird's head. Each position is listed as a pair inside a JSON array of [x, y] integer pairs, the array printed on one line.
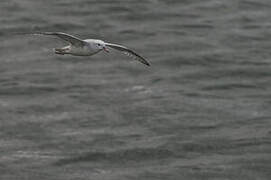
[[99, 44]]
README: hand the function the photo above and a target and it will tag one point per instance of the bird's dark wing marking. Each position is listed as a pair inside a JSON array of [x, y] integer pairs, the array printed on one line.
[[128, 52]]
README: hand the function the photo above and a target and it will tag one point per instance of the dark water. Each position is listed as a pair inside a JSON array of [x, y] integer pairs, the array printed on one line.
[[201, 111]]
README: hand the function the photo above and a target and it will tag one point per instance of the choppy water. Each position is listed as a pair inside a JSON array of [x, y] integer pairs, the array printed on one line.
[[201, 111]]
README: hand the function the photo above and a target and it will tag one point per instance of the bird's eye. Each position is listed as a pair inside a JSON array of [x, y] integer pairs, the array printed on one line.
[[99, 44]]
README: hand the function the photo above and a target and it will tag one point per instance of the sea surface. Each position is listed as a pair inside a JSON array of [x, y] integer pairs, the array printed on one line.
[[201, 111]]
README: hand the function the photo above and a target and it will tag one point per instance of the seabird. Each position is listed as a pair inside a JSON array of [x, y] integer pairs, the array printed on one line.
[[88, 47]]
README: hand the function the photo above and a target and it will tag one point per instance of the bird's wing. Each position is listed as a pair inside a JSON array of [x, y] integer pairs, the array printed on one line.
[[128, 52], [69, 38]]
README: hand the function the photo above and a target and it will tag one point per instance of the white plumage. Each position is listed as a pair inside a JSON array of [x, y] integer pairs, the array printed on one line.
[[88, 47]]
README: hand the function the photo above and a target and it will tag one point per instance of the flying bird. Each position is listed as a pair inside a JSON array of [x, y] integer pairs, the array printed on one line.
[[88, 47]]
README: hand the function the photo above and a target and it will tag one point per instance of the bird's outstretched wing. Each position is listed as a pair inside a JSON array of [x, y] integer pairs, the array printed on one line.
[[69, 38], [128, 52]]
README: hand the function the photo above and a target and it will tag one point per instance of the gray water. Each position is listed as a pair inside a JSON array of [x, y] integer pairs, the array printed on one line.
[[200, 111]]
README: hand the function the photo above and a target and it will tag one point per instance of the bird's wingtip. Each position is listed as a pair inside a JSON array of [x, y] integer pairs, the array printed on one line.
[[145, 62]]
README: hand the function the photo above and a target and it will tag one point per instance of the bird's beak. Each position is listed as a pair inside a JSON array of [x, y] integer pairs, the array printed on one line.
[[105, 49]]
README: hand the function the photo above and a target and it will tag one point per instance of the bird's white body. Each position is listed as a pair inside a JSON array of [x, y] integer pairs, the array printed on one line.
[[88, 49]]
